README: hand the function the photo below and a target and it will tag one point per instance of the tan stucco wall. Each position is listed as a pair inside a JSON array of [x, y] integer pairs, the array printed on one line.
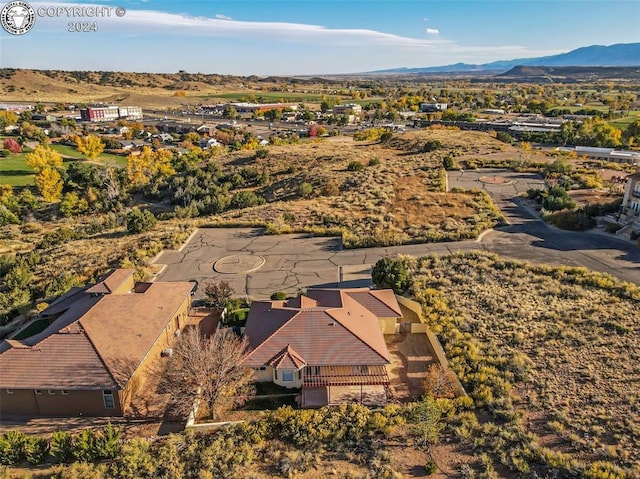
[[387, 325], [296, 383], [125, 287], [150, 361], [263, 376], [76, 403]]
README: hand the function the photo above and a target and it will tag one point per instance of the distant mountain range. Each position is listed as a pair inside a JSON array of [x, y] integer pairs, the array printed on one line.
[[621, 54]]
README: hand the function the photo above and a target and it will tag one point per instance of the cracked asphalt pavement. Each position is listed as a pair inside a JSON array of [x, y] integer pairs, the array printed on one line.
[[296, 261]]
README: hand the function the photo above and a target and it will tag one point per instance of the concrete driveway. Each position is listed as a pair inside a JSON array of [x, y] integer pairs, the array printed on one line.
[[257, 265]]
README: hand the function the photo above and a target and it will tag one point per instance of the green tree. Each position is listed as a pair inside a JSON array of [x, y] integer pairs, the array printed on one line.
[[246, 199], [273, 115], [139, 221], [230, 112], [391, 273], [305, 190], [62, 446], [558, 199], [72, 205]]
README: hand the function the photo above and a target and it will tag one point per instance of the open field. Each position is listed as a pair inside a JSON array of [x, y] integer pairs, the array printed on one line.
[[395, 195], [623, 123], [547, 353], [14, 170], [269, 97]]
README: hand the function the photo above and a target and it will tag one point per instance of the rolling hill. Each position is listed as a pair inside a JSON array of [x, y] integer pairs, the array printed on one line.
[[619, 55]]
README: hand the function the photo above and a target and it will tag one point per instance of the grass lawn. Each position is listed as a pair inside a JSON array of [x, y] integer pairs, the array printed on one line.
[[624, 122], [66, 150], [70, 151], [15, 172]]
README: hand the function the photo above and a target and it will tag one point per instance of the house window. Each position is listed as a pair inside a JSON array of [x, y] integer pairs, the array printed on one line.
[[9, 391], [51, 392], [261, 368], [107, 396], [287, 376], [64, 392], [38, 391]]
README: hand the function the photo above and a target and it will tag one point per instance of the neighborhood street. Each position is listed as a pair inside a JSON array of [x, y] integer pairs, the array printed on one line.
[[258, 265]]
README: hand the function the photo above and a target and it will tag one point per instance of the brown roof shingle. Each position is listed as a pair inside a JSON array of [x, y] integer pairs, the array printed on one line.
[[123, 328], [329, 327], [61, 361], [111, 281], [97, 342]]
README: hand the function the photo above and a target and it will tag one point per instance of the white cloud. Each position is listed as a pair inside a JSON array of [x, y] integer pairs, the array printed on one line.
[[432, 31], [335, 49], [220, 16]]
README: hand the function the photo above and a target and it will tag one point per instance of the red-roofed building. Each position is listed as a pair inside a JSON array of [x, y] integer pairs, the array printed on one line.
[[94, 356], [329, 343]]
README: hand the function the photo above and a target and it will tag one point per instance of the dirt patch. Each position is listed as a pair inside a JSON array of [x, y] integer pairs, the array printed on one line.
[[411, 356]]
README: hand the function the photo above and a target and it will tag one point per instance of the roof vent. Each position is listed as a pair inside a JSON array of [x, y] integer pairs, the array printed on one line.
[[332, 323]]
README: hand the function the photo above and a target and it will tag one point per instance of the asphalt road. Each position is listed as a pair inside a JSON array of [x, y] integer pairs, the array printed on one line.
[[296, 261]]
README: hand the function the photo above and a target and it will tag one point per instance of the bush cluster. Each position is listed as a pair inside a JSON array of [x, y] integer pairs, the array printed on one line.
[[61, 447]]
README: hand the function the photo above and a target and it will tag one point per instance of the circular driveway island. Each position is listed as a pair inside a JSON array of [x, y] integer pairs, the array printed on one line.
[[239, 264]]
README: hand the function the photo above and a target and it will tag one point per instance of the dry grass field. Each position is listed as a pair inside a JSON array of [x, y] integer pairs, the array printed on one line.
[[550, 352], [397, 196], [148, 90]]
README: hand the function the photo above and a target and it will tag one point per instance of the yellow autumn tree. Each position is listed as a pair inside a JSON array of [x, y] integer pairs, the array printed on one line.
[[147, 165], [91, 146], [46, 161], [43, 157], [49, 183]]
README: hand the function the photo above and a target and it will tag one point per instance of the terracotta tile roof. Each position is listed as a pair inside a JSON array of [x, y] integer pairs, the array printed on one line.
[[319, 339], [98, 341], [288, 358], [64, 301], [362, 323], [328, 328], [61, 361], [268, 317], [381, 302], [110, 282], [123, 328]]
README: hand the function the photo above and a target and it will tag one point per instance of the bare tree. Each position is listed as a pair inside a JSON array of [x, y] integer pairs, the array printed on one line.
[[439, 382], [207, 370], [218, 293]]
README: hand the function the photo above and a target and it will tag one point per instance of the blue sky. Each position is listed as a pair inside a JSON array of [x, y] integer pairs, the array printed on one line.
[[287, 37]]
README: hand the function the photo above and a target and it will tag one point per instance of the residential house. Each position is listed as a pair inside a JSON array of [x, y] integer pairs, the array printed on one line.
[[175, 127], [329, 343], [208, 143], [94, 356], [630, 208]]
